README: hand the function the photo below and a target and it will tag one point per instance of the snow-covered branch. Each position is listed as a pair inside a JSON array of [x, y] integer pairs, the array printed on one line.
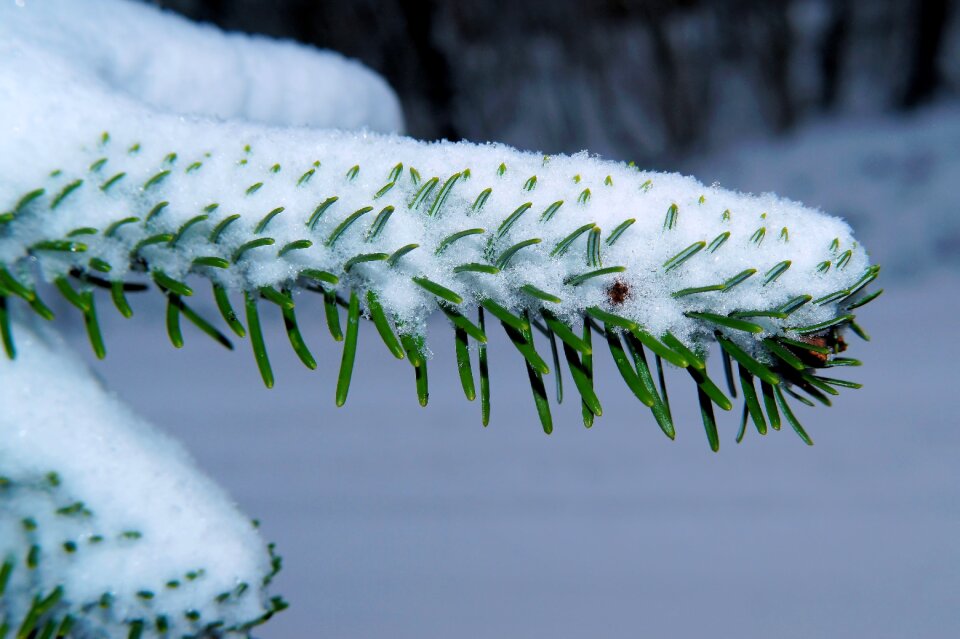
[[142, 152], [106, 522]]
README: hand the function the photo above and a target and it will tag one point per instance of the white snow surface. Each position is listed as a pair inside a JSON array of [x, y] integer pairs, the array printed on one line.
[[134, 481], [55, 106], [169, 64]]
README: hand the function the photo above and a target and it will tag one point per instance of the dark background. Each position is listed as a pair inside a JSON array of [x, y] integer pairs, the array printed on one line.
[[631, 79]]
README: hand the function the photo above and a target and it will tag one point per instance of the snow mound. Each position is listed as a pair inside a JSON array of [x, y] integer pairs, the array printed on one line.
[[170, 64], [120, 517]]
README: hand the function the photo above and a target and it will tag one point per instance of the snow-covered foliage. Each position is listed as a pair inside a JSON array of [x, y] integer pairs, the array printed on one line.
[[106, 527], [140, 151], [100, 187], [108, 521]]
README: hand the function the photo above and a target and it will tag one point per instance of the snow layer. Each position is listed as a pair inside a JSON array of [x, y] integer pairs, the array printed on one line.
[[172, 65], [52, 122], [139, 514]]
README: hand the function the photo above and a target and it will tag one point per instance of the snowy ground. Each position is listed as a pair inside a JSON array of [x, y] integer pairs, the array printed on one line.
[[402, 522]]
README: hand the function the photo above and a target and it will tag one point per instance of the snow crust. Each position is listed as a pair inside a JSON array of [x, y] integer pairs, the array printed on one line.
[[149, 517]]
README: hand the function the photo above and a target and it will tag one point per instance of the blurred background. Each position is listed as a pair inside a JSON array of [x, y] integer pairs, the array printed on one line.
[[649, 80], [398, 521]]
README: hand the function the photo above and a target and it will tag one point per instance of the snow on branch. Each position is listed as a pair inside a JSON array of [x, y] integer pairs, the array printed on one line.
[[102, 191], [141, 152]]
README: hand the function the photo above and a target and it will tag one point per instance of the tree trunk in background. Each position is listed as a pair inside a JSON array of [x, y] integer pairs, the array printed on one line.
[[924, 77], [833, 51], [631, 79]]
